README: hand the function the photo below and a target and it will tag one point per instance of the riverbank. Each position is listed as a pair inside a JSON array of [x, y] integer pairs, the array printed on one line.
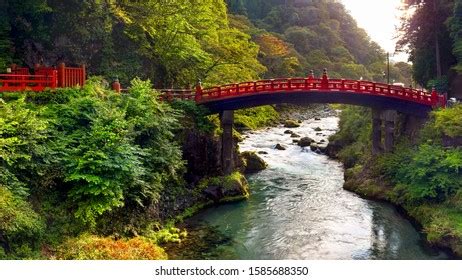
[[429, 218], [418, 178]]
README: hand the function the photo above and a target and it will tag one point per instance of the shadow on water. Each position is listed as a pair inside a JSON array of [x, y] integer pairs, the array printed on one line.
[[299, 210]]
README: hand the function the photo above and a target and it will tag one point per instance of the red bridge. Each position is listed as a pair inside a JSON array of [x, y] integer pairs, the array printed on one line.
[[311, 90]]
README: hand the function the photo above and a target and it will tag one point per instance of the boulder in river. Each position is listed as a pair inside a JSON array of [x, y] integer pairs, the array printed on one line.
[[317, 119], [288, 132], [291, 124], [294, 135], [262, 153], [305, 142], [318, 148], [279, 147], [318, 129], [252, 162]]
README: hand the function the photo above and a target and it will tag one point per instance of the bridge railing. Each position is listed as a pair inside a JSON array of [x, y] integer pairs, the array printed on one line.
[[324, 85]]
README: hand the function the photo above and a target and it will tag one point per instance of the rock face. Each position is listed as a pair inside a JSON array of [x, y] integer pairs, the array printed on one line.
[[279, 147], [305, 142], [252, 162], [291, 124], [202, 154]]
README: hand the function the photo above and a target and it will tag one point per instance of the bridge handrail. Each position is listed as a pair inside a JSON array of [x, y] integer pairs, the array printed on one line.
[[316, 84]]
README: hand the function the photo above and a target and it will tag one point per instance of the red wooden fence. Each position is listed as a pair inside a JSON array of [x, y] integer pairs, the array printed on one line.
[[20, 79]]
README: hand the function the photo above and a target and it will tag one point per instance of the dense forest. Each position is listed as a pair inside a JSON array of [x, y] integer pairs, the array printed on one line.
[[430, 33], [88, 168], [176, 43]]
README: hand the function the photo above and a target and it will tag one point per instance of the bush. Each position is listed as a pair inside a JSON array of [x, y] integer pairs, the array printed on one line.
[[20, 226], [353, 135], [255, 117], [449, 121], [21, 134], [89, 247], [194, 116], [429, 173]]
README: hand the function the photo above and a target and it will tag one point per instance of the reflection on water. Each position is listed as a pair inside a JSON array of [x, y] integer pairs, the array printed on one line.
[[298, 210]]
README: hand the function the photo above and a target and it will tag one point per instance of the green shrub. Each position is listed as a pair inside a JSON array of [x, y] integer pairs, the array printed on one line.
[[21, 136], [20, 226], [194, 116], [449, 121], [353, 135], [254, 118], [428, 173]]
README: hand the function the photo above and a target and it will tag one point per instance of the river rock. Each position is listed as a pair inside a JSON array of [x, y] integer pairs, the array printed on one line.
[[262, 153], [305, 142], [279, 147], [252, 162], [294, 135], [288, 132], [318, 148], [291, 124], [317, 119], [318, 129], [295, 141]]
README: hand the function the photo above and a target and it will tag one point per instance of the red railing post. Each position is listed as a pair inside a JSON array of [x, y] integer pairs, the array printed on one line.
[[309, 80], [434, 97], [54, 79], [62, 75], [198, 95], [325, 80], [83, 74], [116, 86]]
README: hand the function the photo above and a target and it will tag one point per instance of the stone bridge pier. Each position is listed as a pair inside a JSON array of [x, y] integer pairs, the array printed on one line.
[[227, 144], [383, 130]]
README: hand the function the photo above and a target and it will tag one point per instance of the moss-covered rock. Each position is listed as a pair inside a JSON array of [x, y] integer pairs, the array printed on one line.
[[252, 162], [291, 124], [222, 189]]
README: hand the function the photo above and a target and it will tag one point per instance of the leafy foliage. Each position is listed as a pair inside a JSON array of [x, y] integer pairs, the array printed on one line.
[[448, 122], [20, 226], [21, 134], [354, 135], [428, 173]]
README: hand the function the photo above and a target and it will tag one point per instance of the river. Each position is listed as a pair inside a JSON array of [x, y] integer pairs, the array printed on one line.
[[299, 210]]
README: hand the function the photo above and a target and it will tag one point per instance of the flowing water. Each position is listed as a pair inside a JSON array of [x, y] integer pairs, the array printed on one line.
[[298, 210]]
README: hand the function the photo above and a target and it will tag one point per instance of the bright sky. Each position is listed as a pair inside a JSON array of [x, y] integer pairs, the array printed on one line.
[[379, 18]]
